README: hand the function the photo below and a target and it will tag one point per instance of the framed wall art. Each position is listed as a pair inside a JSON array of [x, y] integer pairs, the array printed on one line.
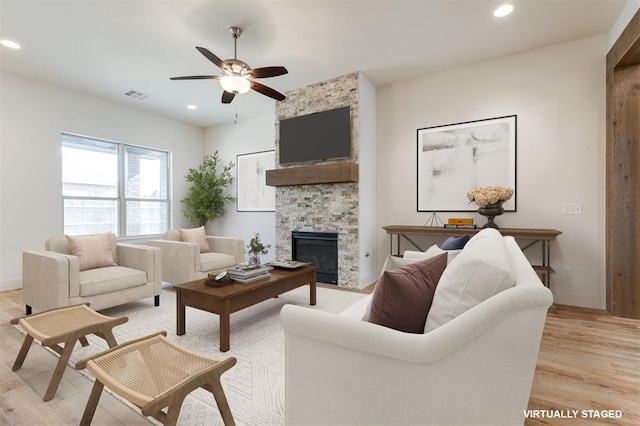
[[253, 194], [455, 158]]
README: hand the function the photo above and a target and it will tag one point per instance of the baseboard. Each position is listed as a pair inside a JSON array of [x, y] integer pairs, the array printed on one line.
[[582, 300], [11, 284]]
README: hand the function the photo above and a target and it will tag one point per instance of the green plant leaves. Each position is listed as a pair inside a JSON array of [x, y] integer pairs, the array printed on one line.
[[206, 199]]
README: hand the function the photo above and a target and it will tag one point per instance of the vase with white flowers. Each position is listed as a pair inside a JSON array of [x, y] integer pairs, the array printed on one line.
[[489, 200]]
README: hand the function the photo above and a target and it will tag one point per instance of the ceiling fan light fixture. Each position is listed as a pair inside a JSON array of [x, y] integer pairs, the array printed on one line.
[[235, 84]]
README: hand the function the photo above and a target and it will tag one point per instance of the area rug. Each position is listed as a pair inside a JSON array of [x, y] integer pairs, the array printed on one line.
[[255, 385]]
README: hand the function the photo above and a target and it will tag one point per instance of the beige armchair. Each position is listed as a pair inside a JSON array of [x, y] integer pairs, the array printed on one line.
[[183, 261], [55, 278]]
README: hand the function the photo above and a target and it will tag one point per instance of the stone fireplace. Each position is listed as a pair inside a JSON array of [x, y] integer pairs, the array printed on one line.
[[333, 207]]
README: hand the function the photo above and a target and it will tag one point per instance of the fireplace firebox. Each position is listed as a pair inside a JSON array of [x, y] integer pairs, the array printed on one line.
[[319, 249]]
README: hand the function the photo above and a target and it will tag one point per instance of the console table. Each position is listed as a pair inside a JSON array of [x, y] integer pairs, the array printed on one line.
[[532, 236]]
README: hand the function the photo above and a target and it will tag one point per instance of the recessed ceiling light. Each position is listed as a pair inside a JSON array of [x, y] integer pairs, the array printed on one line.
[[11, 44], [503, 10], [192, 107]]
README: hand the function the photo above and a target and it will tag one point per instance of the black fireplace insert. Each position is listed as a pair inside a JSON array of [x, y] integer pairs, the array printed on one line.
[[319, 249]]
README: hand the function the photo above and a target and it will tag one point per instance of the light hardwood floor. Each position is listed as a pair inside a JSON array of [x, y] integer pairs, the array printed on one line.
[[21, 392], [588, 360]]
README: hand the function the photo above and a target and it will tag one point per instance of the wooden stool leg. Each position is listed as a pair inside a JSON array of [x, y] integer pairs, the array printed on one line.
[[83, 341], [108, 336], [215, 387], [59, 371], [92, 403], [173, 412], [23, 352]]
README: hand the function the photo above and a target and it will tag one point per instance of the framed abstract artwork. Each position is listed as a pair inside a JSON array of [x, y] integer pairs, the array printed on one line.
[[253, 194], [455, 158]]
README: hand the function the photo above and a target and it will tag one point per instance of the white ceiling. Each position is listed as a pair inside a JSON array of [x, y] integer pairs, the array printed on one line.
[[105, 48]]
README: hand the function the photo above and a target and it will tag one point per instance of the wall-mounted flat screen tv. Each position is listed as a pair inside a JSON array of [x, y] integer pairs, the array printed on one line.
[[318, 136]]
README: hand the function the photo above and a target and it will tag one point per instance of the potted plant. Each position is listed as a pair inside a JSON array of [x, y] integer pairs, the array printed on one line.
[[255, 248], [206, 198]]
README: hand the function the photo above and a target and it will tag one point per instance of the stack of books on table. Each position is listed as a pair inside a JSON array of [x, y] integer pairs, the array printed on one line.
[[248, 273], [460, 223]]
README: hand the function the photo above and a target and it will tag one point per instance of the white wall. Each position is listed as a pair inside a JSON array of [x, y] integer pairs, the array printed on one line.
[[33, 114], [248, 135], [367, 182], [558, 94]]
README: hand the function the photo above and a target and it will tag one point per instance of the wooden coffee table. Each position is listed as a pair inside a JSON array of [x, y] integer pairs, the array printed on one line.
[[234, 297]]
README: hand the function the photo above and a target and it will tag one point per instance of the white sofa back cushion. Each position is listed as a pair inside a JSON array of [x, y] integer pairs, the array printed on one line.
[[480, 271], [432, 251]]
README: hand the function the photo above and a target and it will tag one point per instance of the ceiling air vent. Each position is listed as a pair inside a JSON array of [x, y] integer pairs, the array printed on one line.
[[134, 94]]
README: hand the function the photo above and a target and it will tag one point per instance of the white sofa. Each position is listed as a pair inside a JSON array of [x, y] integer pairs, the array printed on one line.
[[52, 278], [183, 262], [476, 369]]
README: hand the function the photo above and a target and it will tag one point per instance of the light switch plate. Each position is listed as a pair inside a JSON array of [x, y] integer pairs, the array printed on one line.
[[572, 208]]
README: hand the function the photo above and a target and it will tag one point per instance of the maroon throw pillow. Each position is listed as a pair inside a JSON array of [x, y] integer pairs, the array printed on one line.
[[403, 296]]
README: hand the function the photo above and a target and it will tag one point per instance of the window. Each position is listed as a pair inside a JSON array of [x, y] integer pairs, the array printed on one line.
[[109, 186]]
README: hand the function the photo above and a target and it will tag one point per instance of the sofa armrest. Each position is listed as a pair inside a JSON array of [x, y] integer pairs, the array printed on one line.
[[142, 258], [49, 279], [179, 259], [227, 245]]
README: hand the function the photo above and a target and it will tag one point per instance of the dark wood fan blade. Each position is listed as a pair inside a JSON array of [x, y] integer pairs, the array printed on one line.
[[265, 72], [267, 91], [213, 58], [196, 77], [227, 97]]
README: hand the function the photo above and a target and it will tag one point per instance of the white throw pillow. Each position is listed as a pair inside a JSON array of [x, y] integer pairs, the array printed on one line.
[[394, 262], [432, 251], [479, 272]]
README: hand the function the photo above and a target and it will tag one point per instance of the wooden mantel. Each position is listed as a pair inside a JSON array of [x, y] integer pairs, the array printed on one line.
[[314, 174]]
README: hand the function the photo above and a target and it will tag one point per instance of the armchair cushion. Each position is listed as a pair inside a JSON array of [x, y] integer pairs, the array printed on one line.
[[112, 278], [214, 261], [196, 235], [93, 251], [403, 296]]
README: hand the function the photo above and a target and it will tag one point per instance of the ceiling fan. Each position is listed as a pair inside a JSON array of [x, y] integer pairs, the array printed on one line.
[[238, 75]]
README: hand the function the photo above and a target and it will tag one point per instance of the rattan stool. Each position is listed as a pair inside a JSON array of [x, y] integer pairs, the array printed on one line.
[[63, 325], [153, 373]]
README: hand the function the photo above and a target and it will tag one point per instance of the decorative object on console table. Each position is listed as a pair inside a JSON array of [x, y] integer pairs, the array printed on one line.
[[489, 200], [491, 211], [460, 223], [255, 249]]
